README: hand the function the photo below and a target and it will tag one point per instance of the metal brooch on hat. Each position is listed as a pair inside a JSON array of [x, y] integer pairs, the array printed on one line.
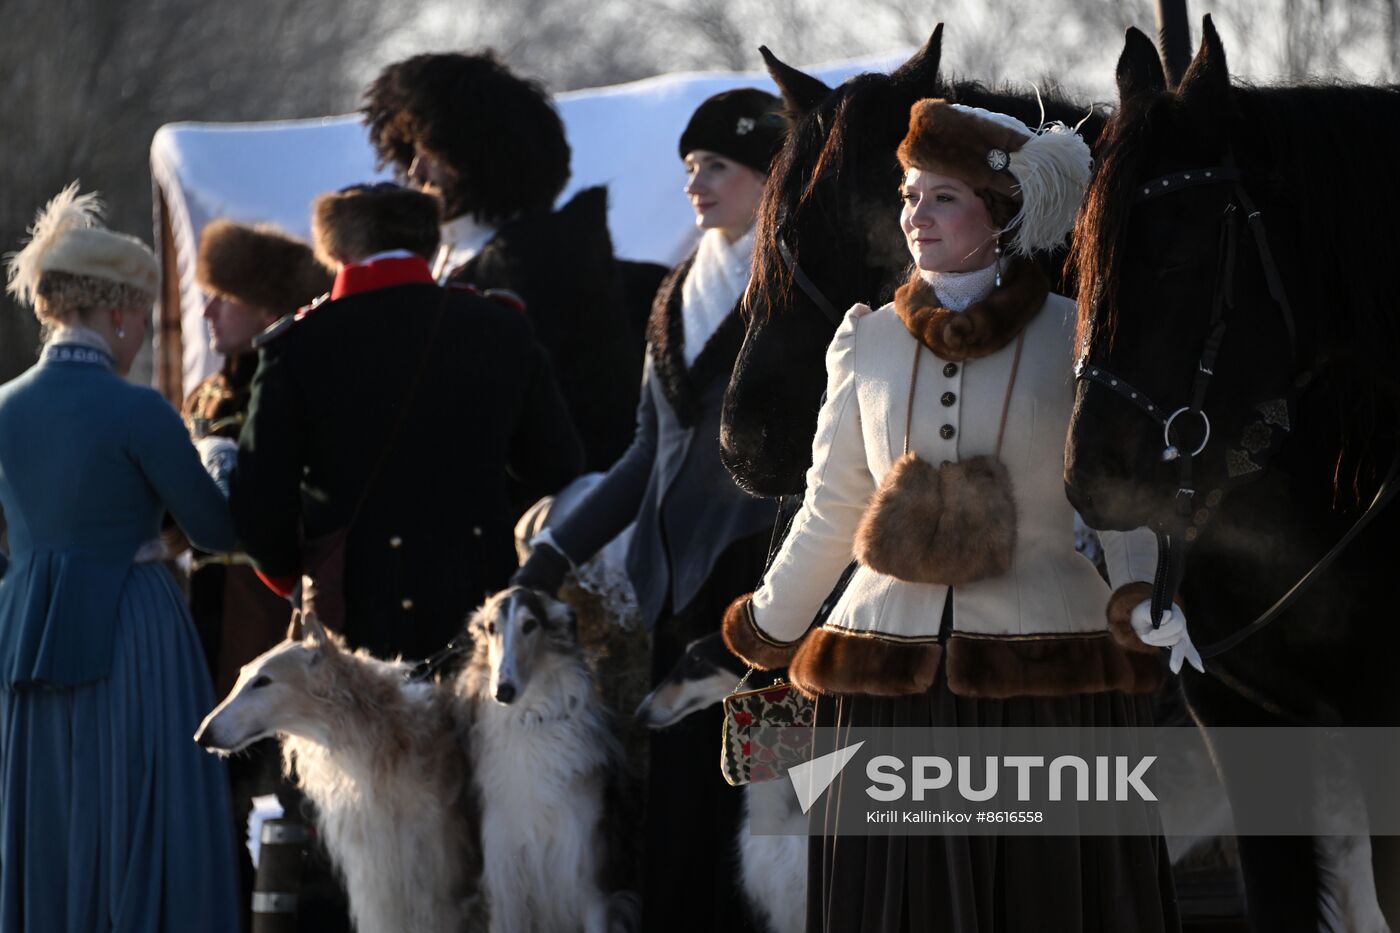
[[998, 160], [744, 126]]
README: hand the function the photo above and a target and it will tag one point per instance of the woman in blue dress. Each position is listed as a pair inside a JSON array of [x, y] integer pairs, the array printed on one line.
[[110, 817]]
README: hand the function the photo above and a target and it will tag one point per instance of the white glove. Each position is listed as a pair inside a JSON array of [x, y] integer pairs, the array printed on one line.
[[1170, 634], [218, 455]]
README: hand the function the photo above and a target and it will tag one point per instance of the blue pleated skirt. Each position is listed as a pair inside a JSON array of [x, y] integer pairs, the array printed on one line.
[[111, 818]]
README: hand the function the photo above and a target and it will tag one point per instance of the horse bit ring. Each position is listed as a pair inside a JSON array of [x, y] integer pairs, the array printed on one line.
[[1172, 451]]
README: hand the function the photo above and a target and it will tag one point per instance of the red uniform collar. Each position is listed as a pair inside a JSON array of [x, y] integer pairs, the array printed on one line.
[[381, 273]]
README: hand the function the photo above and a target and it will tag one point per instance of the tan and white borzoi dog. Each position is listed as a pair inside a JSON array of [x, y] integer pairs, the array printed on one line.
[[543, 753], [382, 761]]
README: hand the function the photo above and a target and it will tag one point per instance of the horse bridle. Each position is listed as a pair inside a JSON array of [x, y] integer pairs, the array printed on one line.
[[1276, 416], [802, 280]]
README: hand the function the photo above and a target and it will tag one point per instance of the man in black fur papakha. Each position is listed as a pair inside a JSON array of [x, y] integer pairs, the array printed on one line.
[[384, 421], [491, 146]]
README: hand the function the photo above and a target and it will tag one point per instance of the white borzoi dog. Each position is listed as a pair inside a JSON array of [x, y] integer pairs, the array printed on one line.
[[543, 751], [383, 763], [773, 868]]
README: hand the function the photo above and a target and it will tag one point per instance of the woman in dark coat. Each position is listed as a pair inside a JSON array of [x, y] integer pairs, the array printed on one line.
[[699, 540]]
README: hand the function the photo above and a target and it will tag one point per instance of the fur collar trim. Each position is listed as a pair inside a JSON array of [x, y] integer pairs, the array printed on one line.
[[683, 385], [986, 326]]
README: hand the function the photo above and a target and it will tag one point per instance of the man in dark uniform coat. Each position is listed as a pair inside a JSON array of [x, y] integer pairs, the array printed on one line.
[[328, 428], [491, 145]]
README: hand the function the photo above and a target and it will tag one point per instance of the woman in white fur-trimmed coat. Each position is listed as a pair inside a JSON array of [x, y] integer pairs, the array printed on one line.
[[937, 465]]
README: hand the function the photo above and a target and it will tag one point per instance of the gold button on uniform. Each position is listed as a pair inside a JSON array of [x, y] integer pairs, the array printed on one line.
[[396, 541], [407, 604]]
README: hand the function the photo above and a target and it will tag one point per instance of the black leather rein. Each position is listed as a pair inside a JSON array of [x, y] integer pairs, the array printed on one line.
[[1174, 537]]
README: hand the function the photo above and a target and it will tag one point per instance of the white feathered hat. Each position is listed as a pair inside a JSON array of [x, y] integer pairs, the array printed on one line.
[[1033, 180], [68, 236]]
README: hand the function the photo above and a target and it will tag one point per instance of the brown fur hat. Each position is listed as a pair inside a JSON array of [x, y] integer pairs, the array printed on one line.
[[953, 142], [359, 221], [1032, 181], [259, 266]]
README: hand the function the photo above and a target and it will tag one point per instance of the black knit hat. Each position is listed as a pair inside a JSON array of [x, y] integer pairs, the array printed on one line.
[[745, 124]]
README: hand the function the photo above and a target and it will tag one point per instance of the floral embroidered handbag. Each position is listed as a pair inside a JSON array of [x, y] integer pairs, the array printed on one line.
[[766, 732]]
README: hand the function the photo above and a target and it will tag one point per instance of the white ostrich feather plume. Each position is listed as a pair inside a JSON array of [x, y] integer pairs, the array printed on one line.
[[1052, 172], [68, 210]]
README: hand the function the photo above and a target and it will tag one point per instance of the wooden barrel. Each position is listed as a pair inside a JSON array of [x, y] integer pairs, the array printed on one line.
[[277, 887]]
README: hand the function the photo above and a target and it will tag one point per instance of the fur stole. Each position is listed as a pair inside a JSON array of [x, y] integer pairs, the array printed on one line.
[[683, 385], [986, 326]]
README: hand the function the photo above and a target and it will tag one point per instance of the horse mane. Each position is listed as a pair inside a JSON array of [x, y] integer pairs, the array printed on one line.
[[794, 180], [1326, 146], [1326, 143]]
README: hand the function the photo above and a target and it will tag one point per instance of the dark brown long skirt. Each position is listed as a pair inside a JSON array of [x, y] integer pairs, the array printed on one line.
[[985, 884]]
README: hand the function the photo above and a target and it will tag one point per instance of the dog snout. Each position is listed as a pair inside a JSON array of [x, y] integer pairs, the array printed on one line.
[[204, 737], [505, 692], [643, 712]]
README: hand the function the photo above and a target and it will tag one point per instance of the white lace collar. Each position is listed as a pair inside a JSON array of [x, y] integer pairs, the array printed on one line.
[[958, 291]]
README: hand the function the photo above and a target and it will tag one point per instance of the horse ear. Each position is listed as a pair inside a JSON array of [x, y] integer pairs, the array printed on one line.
[[801, 92], [1205, 87], [921, 71], [1139, 67], [294, 627]]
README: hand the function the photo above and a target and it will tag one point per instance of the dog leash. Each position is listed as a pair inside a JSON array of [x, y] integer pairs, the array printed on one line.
[[456, 648]]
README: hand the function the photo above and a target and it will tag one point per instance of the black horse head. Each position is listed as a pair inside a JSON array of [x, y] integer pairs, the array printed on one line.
[[831, 210], [1190, 182]]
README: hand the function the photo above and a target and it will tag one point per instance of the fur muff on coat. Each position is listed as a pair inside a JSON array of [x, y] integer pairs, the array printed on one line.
[[259, 266], [349, 225], [950, 524], [986, 326]]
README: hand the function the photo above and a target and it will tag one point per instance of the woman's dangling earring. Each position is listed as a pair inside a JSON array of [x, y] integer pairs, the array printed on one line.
[[998, 254], [121, 333]]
